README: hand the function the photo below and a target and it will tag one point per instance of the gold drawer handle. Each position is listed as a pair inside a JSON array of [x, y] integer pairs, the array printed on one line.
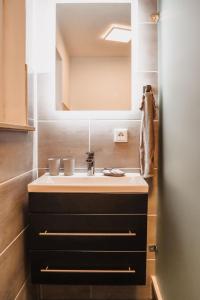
[[46, 233], [47, 270]]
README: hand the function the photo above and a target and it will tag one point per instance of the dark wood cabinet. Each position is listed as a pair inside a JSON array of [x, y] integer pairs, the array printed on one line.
[[88, 238]]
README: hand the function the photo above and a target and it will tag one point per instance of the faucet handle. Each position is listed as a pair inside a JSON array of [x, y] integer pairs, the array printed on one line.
[[90, 163], [89, 160], [90, 154]]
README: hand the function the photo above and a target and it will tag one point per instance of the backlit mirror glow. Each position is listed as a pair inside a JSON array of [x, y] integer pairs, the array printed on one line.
[[92, 72]]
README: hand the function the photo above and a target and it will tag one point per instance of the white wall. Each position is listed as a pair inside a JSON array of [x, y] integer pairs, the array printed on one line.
[[178, 266], [100, 83]]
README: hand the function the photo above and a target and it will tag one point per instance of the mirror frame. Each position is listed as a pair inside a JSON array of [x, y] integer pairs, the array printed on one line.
[[134, 113]]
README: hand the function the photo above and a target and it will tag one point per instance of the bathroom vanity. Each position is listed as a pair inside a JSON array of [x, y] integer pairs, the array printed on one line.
[[88, 230]]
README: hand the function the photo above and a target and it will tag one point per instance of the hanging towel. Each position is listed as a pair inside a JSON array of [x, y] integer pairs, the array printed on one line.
[[147, 138]]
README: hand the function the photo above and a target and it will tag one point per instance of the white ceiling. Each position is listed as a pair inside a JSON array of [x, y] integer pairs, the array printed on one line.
[[82, 25]]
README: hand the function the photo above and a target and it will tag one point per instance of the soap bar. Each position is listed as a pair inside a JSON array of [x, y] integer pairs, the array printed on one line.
[[113, 172]]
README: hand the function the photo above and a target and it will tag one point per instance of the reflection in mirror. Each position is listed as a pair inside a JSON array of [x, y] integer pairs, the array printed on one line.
[[93, 56]]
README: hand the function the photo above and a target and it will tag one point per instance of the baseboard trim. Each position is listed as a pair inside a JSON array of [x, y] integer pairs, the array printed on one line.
[[156, 288]]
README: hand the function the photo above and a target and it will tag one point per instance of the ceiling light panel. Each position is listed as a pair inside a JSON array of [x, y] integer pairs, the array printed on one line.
[[118, 34]]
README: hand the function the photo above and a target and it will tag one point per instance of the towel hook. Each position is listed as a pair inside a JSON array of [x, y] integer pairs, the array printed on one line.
[[147, 88]]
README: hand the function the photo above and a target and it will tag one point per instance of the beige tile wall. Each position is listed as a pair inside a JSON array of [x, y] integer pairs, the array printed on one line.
[[13, 270], [16, 171], [62, 137], [13, 228], [13, 208], [16, 154], [109, 154]]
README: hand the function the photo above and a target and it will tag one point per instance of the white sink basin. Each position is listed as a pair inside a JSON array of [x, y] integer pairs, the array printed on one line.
[[80, 182]]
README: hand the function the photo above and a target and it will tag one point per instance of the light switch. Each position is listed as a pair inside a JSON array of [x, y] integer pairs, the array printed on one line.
[[120, 135]]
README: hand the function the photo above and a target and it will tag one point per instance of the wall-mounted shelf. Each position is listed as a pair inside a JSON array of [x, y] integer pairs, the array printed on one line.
[[15, 127]]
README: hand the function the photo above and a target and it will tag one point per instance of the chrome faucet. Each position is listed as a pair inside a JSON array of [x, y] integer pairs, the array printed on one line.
[[90, 163]]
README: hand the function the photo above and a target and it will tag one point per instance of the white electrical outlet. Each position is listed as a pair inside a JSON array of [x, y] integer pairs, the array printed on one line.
[[120, 135]]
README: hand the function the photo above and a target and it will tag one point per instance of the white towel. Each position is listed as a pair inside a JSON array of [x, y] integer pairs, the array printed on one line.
[[147, 137]]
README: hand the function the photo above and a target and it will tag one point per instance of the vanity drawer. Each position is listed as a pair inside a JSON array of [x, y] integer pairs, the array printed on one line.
[[62, 267], [84, 203], [88, 232]]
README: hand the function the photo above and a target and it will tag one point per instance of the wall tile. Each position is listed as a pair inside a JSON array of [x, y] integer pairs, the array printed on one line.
[[147, 51], [16, 153], [110, 154], [13, 208], [42, 172], [146, 8], [31, 122], [65, 292], [29, 292], [153, 193], [61, 139], [12, 269], [151, 234]]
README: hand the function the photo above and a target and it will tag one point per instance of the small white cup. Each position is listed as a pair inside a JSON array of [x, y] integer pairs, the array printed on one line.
[[54, 166], [69, 166]]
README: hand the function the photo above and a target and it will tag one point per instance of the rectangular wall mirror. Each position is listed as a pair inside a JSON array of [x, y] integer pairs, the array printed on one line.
[[93, 64]]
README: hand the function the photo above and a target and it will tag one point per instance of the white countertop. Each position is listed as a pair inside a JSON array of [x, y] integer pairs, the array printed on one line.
[[81, 183]]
